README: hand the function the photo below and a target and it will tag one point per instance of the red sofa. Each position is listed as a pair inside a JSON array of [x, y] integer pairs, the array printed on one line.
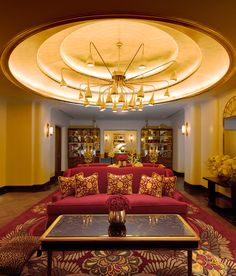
[[140, 203]]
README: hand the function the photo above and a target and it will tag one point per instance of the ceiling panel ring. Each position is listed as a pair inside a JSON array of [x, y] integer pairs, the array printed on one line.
[[11, 46], [44, 51]]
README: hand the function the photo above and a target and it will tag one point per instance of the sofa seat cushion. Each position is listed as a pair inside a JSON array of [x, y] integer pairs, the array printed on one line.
[[147, 204], [80, 205], [95, 204]]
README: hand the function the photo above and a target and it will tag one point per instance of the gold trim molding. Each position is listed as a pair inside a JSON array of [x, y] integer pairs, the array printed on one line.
[[230, 108]]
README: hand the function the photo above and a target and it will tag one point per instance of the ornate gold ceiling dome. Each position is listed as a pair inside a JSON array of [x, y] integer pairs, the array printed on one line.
[[121, 62]]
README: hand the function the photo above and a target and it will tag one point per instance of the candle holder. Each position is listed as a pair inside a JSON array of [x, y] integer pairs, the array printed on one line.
[[88, 156]]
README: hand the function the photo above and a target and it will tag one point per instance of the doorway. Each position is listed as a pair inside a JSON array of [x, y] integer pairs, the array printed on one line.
[[57, 151]]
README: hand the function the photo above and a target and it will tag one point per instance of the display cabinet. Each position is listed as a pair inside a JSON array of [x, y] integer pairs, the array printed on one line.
[[156, 145], [83, 145]]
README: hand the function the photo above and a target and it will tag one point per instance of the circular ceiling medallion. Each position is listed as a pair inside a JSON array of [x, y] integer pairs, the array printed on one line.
[[134, 60]]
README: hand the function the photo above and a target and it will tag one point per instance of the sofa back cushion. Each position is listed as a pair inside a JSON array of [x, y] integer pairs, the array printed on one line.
[[102, 174], [168, 184], [151, 185], [86, 185], [120, 184], [67, 184]]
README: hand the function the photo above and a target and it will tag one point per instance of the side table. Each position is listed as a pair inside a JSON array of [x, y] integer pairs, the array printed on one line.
[[212, 181]]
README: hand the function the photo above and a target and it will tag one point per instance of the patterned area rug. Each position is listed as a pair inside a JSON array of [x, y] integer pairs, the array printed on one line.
[[215, 256]]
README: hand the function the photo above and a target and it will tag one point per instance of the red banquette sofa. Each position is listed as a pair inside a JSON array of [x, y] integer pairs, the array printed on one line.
[[140, 203]]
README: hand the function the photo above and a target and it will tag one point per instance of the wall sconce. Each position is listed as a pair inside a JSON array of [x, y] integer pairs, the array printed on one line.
[[106, 138], [131, 138], [49, 130], [185, 129]]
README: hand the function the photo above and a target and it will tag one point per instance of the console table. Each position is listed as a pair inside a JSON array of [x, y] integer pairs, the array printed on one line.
[[212, 181]]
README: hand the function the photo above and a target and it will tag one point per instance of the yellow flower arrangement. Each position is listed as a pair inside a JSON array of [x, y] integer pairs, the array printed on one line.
[[132, 157], [222, 165]]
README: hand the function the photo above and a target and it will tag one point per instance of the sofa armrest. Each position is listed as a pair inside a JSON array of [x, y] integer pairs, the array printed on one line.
[[178, 196], [169, 172], [57, 196]]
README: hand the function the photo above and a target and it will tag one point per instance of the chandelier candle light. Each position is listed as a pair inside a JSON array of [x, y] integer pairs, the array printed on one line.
[[118, 90]]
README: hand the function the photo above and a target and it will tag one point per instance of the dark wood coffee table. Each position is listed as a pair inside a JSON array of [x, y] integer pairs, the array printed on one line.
[[143, 232]]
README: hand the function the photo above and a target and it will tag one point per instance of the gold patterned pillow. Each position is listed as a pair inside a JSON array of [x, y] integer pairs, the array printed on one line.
[[67, 184], [119, 184], [151, 185], [169, 184], [86, 185]]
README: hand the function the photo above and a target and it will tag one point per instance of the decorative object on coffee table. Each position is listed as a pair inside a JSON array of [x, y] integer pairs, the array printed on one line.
[[117, 206]]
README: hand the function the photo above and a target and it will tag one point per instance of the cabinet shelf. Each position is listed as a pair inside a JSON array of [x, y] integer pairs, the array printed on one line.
[[157, 139], [81, 139]]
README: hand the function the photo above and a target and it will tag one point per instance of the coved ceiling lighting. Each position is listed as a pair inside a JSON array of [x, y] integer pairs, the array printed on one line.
[[118, 90]]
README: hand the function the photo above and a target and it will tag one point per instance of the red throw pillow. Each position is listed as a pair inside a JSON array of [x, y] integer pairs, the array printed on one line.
[[86, 185], [119, 184], [67, 184], [169, 184], [151, 185]]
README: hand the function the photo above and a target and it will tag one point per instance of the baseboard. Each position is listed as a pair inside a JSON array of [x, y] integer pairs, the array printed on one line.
[[178, 173], [32, 188], [191, 188]]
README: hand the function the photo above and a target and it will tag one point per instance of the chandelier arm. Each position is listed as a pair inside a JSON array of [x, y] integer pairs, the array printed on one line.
[[92, 44], [125, 89], [96, 85], [171, 61], [103, 92], [80, 74], [154, 88], [129, 87], [127, 68], [146, 84]]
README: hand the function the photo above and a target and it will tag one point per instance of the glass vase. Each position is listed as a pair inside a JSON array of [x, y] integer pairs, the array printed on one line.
[[117, 217]]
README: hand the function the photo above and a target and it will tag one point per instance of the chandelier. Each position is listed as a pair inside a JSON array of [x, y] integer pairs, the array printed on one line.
[[119, 91]]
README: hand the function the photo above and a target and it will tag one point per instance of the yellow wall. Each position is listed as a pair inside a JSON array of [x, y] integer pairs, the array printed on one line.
[[19, 143], [209, 134], [205, 139], [193, 145], [41, 144], [2, 142], [24, 148]]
